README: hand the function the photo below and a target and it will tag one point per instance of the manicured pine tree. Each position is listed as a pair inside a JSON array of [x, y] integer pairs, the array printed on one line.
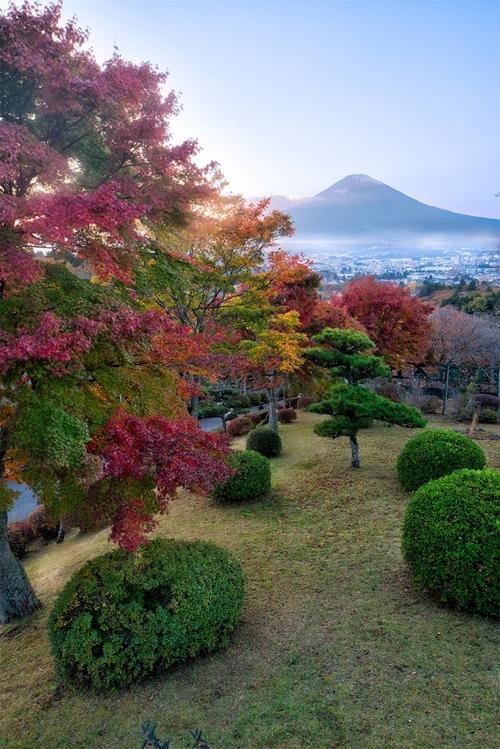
[[351, 407]]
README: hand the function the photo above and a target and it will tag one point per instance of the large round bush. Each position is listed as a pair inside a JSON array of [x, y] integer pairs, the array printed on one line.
[[265, 441], [252, 478], [451, 539], [432, 454], [124, 615]]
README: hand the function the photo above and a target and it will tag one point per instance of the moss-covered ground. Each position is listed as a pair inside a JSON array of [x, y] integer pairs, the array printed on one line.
[[335, 647]]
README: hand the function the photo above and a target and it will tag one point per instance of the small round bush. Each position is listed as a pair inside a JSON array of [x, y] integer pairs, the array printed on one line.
[[265, 441], [243, 400], [255, 417], [124, 615], [45, 526], [208, 410], [429, 404], [451, 539], [486, 400], [287, 415], [20, 533], [251, 480], [488, 416], [432, 454], [389, 390], [305, 400], [255, 397], [238, 427]]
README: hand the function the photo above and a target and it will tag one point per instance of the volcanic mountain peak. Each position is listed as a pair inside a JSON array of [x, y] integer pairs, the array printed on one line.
[[354, 181], [360, 209], [353, 184]]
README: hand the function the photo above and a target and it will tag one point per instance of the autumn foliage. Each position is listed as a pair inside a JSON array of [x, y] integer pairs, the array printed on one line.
[[396, 322], [92, 386]]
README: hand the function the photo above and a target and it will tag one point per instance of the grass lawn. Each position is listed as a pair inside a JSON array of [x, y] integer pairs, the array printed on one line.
[[335, 647]]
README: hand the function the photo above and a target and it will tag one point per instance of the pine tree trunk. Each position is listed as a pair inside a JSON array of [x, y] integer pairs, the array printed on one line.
[[17, 597], [354, 452]]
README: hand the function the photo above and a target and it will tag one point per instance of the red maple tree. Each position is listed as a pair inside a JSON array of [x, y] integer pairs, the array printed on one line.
[[394, 320]]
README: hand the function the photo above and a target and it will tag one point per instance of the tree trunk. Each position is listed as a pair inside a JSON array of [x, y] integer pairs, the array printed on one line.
[[193, 406], [354, 452], [61, 533], [273, 409], [475, 419], [17, 597]]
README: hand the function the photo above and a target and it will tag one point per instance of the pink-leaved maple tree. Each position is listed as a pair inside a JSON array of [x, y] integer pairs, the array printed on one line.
[[91, 388]]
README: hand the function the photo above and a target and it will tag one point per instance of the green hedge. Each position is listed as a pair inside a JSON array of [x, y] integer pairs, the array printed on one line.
[[124, 615], [432, 454], [251, 480], [451, 539]]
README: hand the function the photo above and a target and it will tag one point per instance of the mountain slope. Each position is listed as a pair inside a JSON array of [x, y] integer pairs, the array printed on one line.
[[362, 210]]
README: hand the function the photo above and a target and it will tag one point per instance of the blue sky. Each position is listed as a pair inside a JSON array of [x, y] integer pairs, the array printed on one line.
[[290, 97]]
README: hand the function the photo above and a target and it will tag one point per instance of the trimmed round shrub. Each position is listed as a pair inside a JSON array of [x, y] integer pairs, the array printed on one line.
[[20, 533], [305, 400], [251, 480], [485, 400], [432, 454], [124, 615], [243, 401], [265, 441], [255, 417], [488, 416], [255, 397], [287, 415], [451, 539], [238, 427], [389, 390], [45, 526], [429, 404], [210, 410]]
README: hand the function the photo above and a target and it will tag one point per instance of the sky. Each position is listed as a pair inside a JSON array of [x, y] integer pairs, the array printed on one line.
[[290, 97]]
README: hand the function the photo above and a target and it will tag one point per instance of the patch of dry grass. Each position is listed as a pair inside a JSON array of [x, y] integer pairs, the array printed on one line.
[[335, 648]]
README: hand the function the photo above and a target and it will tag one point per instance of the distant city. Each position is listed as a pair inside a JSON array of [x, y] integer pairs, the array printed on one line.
[[360, 226], [448, 267]]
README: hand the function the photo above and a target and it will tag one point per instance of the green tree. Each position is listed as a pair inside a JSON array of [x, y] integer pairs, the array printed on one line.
[[209, 277], [351, 407]]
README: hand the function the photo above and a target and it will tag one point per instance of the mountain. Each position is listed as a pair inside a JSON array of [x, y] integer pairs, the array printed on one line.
[[362, 211]]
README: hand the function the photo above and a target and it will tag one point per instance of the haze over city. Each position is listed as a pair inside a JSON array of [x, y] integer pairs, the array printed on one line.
[[290, 97]]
